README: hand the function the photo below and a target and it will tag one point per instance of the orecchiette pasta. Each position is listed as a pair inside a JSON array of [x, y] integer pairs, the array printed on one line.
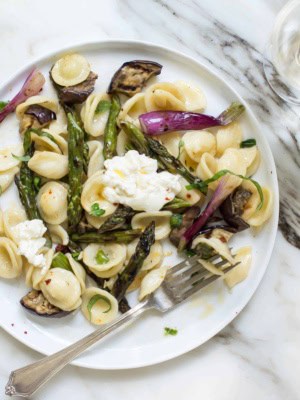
[[70, 70], [38, 274], [104, 257], [122, 142], [187, 161], [252, 215], [11, 218], [6, 178], [164, 96], [58, 145], [194, 97], [152, 281], [217, 244], [52, 202], [192, 196], [49, 165], [96, 157], [1, 224], [93, 193], [78, 271], [172, 141], [10, 260], [161, 219], [229, 136], [94, 120], [58, 234], [197, 143], [7, 161], [207, 166], [59, 125], [99, 306], [62, 289], [132, 108], [240, 272], [96, 222]]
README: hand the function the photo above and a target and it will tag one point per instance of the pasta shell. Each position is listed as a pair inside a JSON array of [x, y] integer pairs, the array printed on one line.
[[192, 196], [1, 224], [171, 141], [197, 143], [7, 161], [93, 193], [229, 136], [94, 123], [132, 108], [122, 142], [39, 273], [104, 310], [221, 248], [207, 167], [164, 96], [58, 234], [70, 70], [7, 177], [253, 216], [161, 219], [241, 271], [52, 203], [62, 289], [43, 101], [96, 162], [115, 253], [78, 270], [10, 260], [12, 217], [49, 165], [152, 281], [195, 99]]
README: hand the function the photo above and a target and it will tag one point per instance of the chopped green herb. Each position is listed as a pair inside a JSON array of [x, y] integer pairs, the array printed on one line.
[[96, 211], [190, 252], [101, 257], [93, 301], [3, 104], [180, 148], [176, 221], [61, 261], [21, 158], [248, 143], [170, 331], [75, 255], [103, 106], [203, 186], [37, 183]]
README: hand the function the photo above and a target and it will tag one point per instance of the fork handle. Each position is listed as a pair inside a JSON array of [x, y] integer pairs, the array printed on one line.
[[24, 382]]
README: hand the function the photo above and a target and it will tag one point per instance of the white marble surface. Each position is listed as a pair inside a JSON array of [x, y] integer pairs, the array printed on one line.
[[258, 355]]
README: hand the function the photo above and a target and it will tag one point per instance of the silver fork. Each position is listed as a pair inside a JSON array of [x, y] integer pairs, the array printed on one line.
[[181, 282]]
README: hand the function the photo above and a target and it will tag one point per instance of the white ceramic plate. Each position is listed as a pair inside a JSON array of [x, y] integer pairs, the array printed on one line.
[[143, 343]]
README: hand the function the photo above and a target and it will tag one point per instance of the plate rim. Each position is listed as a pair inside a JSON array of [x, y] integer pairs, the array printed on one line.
[[81, 45]]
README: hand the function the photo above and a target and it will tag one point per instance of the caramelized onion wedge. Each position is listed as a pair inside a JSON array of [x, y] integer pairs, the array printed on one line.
[[131, 77]]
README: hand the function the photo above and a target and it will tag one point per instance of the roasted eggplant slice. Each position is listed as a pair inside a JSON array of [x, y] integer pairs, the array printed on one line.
[[37, 304], [76, 94], [42, 114], [232, 208], [132, 76]]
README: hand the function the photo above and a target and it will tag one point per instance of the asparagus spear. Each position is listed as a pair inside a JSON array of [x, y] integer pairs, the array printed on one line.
[[177, 204], [120, 218], [171, 163], [110, 133], [76, 170], [114, 236], [136, 137], [25, 181], [135, 263]]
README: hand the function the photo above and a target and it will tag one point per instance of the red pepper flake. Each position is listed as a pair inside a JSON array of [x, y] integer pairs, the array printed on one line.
[[223, 239], [188, 196], [25, 332], [167, 199], [47, 281]]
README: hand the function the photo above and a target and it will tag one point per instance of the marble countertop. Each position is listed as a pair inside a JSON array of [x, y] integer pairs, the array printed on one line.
[[257, 356]]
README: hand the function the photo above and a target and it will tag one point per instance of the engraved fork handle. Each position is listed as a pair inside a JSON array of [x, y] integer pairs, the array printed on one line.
[[24, 382]]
